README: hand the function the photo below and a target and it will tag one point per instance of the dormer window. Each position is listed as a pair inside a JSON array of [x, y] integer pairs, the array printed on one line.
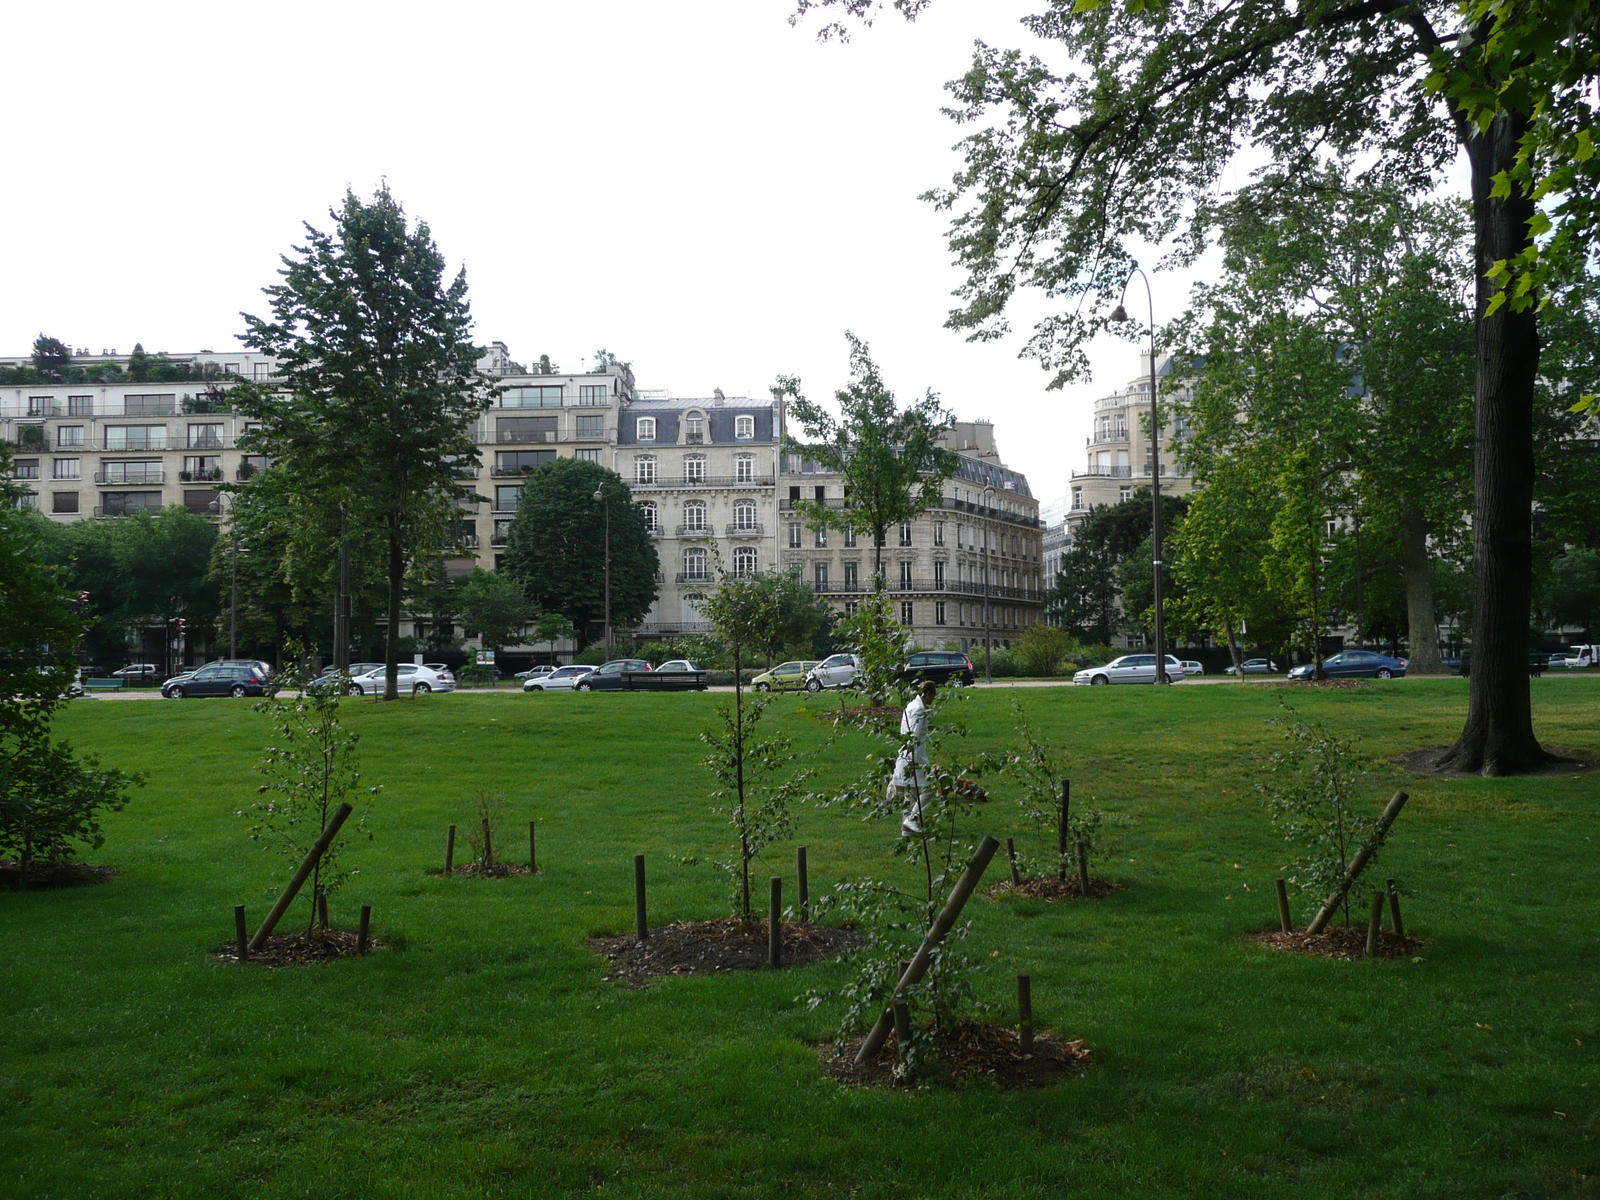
[[744, 428], [644, 429], [694, 428]]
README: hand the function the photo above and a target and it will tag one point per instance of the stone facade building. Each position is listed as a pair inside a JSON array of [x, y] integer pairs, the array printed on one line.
[[1118, 449]]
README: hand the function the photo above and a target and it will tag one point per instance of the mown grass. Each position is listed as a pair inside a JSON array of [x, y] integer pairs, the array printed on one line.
[[488, 1059]]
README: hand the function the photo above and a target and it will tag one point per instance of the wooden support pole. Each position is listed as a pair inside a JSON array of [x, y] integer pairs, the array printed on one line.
[[805, 885], [640, 925], [241, 933], [318, 848], [322, 909], [901, 1013], [1061, 829], [942, 925], [1011, 855], [1083, 869], [775, 924], [533, 850], [1283, 907], [450, 850], [364, 929], [1025, 1012], [488, 847], [1358, 864], [1394, 908], [1375, 924]]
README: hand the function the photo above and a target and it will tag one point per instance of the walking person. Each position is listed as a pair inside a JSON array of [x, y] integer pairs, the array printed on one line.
[[911, 764]]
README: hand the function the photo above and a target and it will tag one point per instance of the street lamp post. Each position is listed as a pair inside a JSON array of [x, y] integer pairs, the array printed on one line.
[[600, 499], [1121, 314]]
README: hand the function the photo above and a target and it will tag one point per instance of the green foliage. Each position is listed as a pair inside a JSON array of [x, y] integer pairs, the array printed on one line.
[[487, 808], [51, 357], [1041, 648], [51, 798], [556, 546], [311, 771], [874, 634], [1041, 775], [1572, 591], [495, 606]]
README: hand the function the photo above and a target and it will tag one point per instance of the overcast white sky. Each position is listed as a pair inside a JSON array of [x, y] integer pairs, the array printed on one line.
[[694, 185]]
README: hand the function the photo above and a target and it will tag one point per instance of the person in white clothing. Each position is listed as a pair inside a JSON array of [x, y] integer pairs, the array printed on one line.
[[911, 764]]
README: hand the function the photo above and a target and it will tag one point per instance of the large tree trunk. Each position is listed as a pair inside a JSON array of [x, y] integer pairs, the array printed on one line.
[[1234, 651], [397, 580], [1498, 738], [1417, 571]]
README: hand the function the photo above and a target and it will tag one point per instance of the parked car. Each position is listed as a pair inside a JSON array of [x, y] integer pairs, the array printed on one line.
[[636, 675], [1192, 668], [785, 677], [216, 680], [1583, 656], [940, 666], [1559, 661], [411, 677], [1256, 666], [838, 670], [679, 664], [1537, 662], [538, 672], [264, 669], [138, 673], [1355, 664], [562, 679], [1130, 668]]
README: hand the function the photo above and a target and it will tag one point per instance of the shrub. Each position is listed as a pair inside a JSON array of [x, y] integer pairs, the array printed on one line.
[[1041, 648], [51, 798]]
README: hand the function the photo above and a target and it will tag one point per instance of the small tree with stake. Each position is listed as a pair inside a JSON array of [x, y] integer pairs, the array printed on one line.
[[312, 770]]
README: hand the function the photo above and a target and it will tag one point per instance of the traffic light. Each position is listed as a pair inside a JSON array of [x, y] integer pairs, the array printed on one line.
[[182, 624]]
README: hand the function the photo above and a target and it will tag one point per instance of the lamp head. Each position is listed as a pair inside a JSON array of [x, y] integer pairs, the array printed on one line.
[[1119, 314], [599, 495]]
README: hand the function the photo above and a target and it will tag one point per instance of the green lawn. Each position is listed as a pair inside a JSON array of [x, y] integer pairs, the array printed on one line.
[[488, 1059]]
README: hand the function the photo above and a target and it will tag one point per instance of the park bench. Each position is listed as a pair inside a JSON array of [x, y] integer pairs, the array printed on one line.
[[102, 685]]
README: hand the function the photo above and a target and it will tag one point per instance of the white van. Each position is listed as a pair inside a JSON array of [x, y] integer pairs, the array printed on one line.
[[1583, 656]]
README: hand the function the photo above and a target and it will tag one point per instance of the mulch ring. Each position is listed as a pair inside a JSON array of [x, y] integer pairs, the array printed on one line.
[[1323, 683], [476, 870], [1051, 887], [714, 947], [1345, 942], [53, 875], [301, 949], [1563, 761], [973, 1050]]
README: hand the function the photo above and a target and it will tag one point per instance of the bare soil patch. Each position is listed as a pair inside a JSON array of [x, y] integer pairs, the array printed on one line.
[[1052, 887], [301, 949], [1347, 942], [476, 870], [715, 947], [1297, 684], [1564, 761], [973, 1050], [43, 875]]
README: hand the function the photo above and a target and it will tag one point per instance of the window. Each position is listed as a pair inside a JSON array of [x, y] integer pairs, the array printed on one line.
[[938, 612], [744, 560], [694, 515], [201, 466], [28, 501], [938, 533], [744, 468], [819, 538], [907, 612], [905, 575], [1333, 528], [851, 573], [516, 462], [592, 454], [744, 514], [694, 468], [591, 427], [652, 518], [69, 435], [961, 536], [136, 437], [525, 429], [261, 370], [744, 428], [80, 406], [507, 498], [938, 577], [850, 607], [644, 469], [794, 535], [131, 472], [25, 468], [694, 429], [205, 437], [905, 534], [120, 504], [543, 396], [64, 502], [644, 429], [43, 406], [694, 564], [590, 394], [849, 539], [1077, 498], [67, 468], [163, 405], [1124, 493], [821, 570]]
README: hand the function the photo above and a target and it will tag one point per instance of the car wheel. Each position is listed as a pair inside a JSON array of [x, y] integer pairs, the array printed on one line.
[[421, 687], [237, 691], [352, 690], [1385, 673], [584, 687], [175, 694], [1098, 680], [813, 685], [763, 687]]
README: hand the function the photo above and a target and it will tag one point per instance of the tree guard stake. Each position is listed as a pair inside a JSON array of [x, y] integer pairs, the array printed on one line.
[[1358, 864], [300, 876]]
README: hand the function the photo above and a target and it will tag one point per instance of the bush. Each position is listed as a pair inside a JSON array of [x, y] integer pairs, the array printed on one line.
[[1041, 648], [1002, 663]]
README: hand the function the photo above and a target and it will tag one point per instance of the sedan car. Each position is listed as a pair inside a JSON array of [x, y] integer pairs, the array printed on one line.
[[1256, 666], [138, 673], [939, 666], [412, 677], [1353, 664], [216, 680], [562, 679], [785, 677], [607, 677], [1192, 668], [538, 672], [679, 664], [838, 670], [1130, 668]]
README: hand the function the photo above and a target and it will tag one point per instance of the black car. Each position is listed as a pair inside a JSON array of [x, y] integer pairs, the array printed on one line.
[[216, 680], [940, 666], [608, 676]]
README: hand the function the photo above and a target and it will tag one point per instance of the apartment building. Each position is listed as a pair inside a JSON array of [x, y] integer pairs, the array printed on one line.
[[1118, 449], [964, 572]]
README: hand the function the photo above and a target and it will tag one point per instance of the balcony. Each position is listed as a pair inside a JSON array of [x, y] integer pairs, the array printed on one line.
[[214, 475], [705, 481], [524, 437], [786, 504], [154, 477], [462, 541], [1101, 439], [964, 588], [509, 472], [207, 443], [498, 538], [1098, 472], [695, 531], [694, 439], [738, 531], [701, 577]]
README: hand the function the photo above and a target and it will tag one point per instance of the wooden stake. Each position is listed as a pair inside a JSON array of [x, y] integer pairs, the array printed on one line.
[[322, 909], [639, 922], [450, 850], [1083, 869], [533, 851], [1375, 924], [775, 925], [318, 848], [805, 885], [902, 1028], [1394, 908], [364, 929], [241, 933], [1011, 854], [1283, 907], [1025, 1012], [1061, 831], [488, 847], [1358, 864]]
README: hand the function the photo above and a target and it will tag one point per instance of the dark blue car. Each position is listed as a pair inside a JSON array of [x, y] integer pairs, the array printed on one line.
[[216, 680], [1352, 664]]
